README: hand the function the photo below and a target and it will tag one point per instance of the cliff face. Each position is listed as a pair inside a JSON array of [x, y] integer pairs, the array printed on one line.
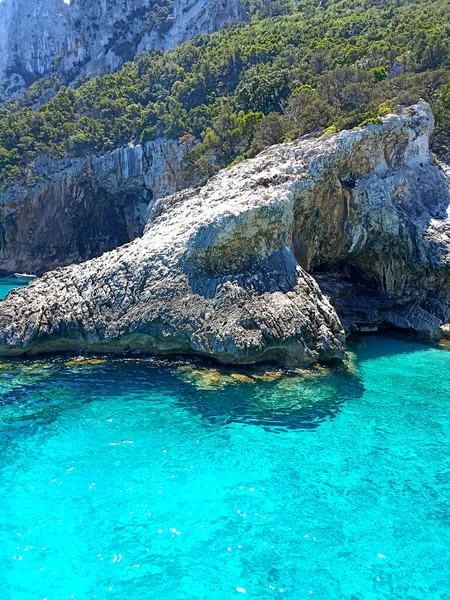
[[222, 271], [102, 35], [43, 37], [84, 207], [32, 34]]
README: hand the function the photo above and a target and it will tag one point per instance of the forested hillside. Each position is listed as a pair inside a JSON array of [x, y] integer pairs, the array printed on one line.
[[296, 68]]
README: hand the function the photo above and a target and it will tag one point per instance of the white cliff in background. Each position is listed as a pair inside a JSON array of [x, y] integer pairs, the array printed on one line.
[[32, 33], [39, 38]]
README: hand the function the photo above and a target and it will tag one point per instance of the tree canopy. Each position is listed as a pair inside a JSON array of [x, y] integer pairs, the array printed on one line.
[[297, 67]]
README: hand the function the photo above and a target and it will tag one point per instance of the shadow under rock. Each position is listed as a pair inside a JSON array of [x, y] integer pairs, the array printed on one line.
[[301, 402]]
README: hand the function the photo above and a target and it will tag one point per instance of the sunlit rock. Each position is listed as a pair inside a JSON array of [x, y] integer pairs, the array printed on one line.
[[225, 271]]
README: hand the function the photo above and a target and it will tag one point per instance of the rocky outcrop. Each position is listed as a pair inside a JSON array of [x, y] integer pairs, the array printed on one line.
[[82, 207], [103, 35], [222, 271], [57, 37]]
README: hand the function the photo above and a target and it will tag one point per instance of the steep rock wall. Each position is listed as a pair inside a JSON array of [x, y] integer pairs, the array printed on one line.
[[222, 271], [32, 34], [84, 207]]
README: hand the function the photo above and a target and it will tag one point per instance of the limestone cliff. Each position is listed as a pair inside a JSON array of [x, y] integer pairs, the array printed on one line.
[[57, 37], [31, 36], [222, 271], [82, 207]]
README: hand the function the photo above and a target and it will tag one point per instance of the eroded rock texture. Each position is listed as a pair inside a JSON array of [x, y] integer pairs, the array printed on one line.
[[32, 33], [82, 207], [222, 271]]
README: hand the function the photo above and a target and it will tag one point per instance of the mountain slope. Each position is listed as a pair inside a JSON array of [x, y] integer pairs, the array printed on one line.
[[50, 37], [335, 66]]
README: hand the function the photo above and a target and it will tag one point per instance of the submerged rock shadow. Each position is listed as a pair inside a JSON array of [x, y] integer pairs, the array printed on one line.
[[390, 343], [287, 401], [274, 400]]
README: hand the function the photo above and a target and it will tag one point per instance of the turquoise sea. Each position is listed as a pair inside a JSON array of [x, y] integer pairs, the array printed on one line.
[[145, 479], [8, 284]]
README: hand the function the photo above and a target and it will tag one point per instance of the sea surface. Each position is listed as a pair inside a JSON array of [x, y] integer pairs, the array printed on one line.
[[142, 479], [8, 284]]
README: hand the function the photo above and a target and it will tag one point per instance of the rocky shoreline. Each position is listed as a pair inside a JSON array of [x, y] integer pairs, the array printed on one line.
[[275, 259]]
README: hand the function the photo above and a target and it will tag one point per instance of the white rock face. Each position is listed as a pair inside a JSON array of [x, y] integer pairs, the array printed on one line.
[[226, 271], [32, 33], [43, 37], [192, 18]]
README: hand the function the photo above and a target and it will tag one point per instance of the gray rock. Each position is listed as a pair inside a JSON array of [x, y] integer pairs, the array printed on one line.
[[32, 33], [221, 271], [398, 67], [82, 207]]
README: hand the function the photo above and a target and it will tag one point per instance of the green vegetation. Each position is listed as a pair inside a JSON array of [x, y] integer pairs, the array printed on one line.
[[160, 16], [313, 66]]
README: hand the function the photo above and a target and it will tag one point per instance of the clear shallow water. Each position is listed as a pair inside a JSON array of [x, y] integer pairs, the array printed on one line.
[[8, 284], [135, 479], [141, 480]]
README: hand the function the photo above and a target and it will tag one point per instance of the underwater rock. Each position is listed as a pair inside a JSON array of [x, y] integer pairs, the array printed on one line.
[[224, 271], [268, 376], [241, 378], [204, 379], [85, 362]]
